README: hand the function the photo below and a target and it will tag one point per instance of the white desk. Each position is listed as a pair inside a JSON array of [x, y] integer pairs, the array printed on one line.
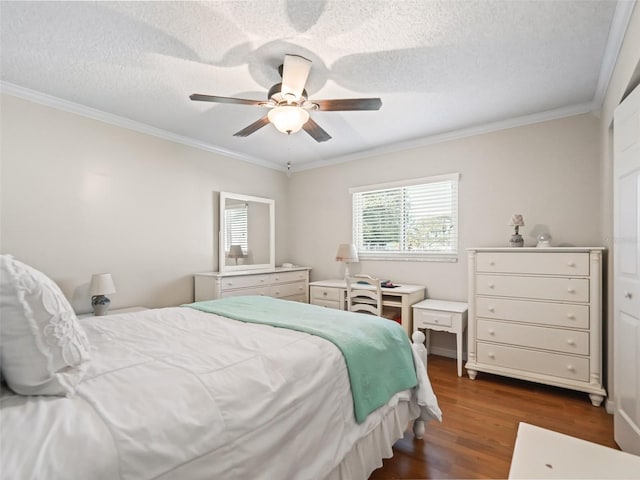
[[333, 294], [541, 453]]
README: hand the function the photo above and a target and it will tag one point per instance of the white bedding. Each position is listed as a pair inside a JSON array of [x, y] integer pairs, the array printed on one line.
[[179, 393]]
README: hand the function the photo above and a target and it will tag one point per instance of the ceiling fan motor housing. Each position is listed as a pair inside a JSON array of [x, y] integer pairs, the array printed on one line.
[[275, 94]]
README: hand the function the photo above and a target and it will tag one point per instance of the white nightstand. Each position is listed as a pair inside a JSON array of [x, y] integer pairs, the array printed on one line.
[[115, 311], [442, 316]]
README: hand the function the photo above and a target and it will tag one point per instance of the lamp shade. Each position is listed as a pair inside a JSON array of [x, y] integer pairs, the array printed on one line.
[[347, 253], [516, 220], [288, 118], [102, 284], [235, 251]]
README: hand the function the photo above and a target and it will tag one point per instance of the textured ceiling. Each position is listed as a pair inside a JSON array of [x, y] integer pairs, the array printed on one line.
[[439, 67]]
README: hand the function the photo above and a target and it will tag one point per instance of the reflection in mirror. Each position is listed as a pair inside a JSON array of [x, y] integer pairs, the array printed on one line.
[[246, 232]]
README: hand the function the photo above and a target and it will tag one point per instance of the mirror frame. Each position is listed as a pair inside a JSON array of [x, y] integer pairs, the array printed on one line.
[[272, 236]]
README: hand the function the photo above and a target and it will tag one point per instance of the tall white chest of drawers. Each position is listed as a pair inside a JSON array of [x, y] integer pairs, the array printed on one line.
[[535, 314]]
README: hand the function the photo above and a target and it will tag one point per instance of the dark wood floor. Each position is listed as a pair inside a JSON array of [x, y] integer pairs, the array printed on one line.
[[480, 421]]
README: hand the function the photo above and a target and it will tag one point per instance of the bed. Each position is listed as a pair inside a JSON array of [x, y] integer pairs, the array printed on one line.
[[184, 393]]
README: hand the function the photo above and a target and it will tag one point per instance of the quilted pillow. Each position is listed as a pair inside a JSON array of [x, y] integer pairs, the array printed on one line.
[[43, 348]]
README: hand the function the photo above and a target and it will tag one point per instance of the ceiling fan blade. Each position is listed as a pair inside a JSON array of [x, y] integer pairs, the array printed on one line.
[[316, 131], [295, 72], [212, 98], [344, 104], [254, 127]]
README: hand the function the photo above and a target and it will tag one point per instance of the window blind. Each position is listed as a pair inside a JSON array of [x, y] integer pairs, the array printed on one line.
[[409, 221], [236, 226]]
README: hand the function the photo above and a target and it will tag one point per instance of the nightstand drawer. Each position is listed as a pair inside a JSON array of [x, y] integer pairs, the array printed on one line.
[[323, 293], [512, 358], [526, 311], [543, 288], [545, 338], [426, 318], [552, 263]]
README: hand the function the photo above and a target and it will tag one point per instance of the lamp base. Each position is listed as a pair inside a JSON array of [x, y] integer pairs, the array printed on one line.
[[100, 305], [516, 240]]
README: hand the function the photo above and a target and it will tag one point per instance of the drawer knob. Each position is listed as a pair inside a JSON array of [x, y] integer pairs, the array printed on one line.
[[230, 284], [571, 316], [571, 342], [628, 295], [571, 264], [571, 368], [324, 294], [435, 320], [492, 355], [491, 285], [492, 332], [492, 263], [571, 290], [492, 309]]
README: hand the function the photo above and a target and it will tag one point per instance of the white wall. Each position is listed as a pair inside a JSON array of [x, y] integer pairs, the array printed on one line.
[[79, 196], [549, 172]]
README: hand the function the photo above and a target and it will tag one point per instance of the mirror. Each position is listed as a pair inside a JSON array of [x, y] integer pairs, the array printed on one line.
[[247, 232]]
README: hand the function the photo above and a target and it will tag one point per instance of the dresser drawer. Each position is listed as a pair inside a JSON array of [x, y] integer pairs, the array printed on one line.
[[324, 293], [513, 358], [244, 281], [556, 339], [426, 318], [539, 263], [285, 277], [296, 298], [543, 288], [543, 313], [245, 291], [288, 289]]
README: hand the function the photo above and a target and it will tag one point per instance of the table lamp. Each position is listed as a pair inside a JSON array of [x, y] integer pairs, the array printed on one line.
[[347, 254], [516, 239], [101, 285], [235, 251]]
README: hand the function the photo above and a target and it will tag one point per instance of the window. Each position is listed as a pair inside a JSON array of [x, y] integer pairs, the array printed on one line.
[[410, 220], [235, 226]]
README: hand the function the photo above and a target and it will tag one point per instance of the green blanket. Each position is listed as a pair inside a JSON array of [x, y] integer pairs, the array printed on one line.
[[377, 351]]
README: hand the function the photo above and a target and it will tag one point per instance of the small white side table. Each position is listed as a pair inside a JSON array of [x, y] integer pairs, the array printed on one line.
[[443, 316]]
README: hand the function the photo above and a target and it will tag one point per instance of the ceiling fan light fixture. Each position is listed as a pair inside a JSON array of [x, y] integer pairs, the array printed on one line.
[[288, 118]]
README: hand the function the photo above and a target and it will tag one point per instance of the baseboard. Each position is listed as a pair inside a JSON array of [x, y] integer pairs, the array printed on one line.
[[444, 352], [609, 406]]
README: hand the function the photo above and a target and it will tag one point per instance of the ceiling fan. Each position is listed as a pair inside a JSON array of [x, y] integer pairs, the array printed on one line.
[[288, 103]]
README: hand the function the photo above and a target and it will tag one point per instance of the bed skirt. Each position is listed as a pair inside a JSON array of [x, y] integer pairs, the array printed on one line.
[[367, 454]]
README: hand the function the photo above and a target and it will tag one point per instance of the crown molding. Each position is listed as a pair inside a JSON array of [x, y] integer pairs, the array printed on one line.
[[457, 134], [619, 24], [76, 108]]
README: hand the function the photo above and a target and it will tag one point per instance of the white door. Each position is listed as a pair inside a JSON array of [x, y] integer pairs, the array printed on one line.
[[626, 283]]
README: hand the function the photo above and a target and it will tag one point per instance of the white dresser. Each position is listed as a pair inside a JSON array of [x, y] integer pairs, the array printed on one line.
[[286, 283], [535, 314]]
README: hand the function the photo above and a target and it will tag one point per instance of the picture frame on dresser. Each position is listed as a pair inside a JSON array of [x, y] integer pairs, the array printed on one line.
[[536, 314]]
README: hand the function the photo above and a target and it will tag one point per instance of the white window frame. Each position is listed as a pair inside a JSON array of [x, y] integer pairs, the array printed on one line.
[[449, 255]]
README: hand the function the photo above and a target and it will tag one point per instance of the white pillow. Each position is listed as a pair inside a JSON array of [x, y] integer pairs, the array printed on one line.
[[43, 348]]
